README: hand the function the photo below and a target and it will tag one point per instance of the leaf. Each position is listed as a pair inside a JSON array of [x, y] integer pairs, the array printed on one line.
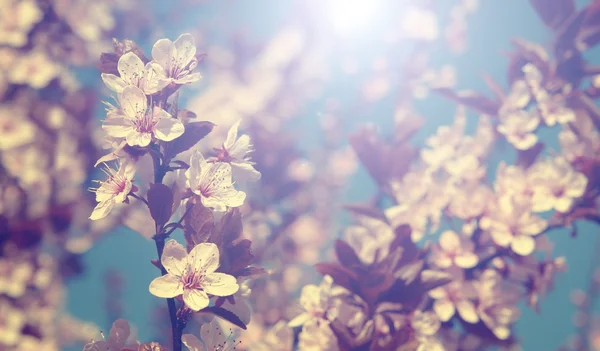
[[238, 257], [471, 99], [160, 202], [231, 227], [342, 276], [346, 255], [526, 158], [409, 272], [553, 12], [431, 279], [253, 272], [194, 132], [367, 211], [226, 315], [198, 225]]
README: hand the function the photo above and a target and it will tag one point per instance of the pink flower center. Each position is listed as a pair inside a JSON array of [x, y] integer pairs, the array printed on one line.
[[192, 279], [145, 124]]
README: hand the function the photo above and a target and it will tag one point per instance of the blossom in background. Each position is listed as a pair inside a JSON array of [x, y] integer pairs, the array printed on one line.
[[519, 129], [557, 185], [192, 275], [235, 152], [370, 239], [117, 339], [133, 72], [317, 336], [456, 296], [454, 250], [15, 128], [177, 59], [513, 227], [213, 338], [114, 189], [318, 302], [35, 69], [496, 306], [279, 337], [426, 325], [138, 125], [213, 183], [17, 18]]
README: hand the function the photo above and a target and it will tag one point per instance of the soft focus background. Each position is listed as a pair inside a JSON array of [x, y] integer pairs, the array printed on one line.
[[342, 59]]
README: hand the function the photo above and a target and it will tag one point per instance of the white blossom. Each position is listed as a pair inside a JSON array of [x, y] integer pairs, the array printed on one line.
[[235, 152], [192, 275], [177, 59], [139, 125], [113, 190], [132, 71], [213, 183]]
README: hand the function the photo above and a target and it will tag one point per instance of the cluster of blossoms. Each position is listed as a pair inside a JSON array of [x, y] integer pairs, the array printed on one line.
[[45, 158], [180, 189], [393, 289]]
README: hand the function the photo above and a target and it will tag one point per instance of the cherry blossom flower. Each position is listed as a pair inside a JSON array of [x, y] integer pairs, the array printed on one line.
[[117, 339], [557, 185], [177, 59], [513, 226], [235, 152], [133, 72], [213, 338], [12, 320], [519, 128], [15, 129], [318, 302], [454, 250], [496, 306], [113, 190], [455, 296], [17, 18], [192, 275], [279, 337], [35, 69], [138, 125], [317, 336], [370, 238], [213, 183]]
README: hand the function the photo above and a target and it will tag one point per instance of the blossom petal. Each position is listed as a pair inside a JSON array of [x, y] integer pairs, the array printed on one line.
[[299, 320], [232, 135], [137, 138], [220, 284], [204, 258], [166, 286], [133, 102], [185, 49], [192, 342], [131, 68], [195, 299], [188, 79], [114, 83], [174, 258], [466, 260], [102, 210], [467, 311], [162, 51], [523, 245], [155, 78], [240, 148], [167, 128], [444, 309], [117, 127], [449, 240]]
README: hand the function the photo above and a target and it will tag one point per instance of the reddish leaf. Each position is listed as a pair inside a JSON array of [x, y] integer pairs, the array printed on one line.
[[346, 255], [342, 276], [238, 257], [431, 279], [553, 12], [160, 202], [471, 99], [230, 227], [198, 225], [526, 158], [194, 132], [226, 315]]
